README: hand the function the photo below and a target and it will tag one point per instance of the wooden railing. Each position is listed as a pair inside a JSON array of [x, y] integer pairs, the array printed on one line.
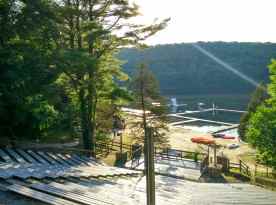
[[136, 157], [107, 147], [173, 154], [264, 171], [204, 164], [242, 167]]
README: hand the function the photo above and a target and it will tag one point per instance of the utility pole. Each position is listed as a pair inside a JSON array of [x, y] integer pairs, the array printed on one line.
[[149, 167]]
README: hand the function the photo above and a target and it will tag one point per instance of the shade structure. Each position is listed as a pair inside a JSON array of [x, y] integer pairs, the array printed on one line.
[[203, 140]]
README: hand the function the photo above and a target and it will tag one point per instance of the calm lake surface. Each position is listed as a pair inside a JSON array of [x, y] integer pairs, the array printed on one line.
[[237, 102]]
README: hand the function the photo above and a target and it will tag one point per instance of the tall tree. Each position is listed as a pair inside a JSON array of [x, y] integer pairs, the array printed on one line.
[[27, 43], [261, 130], [149, 100], [92, 30], [258, 98]]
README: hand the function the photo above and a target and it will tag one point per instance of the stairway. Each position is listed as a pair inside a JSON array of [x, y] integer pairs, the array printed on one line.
[[57, 179]]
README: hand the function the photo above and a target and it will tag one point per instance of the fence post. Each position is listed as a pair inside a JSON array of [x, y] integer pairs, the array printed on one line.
[[215, 155], [266, 171], [196, 157], [256, 166], [240, 166]]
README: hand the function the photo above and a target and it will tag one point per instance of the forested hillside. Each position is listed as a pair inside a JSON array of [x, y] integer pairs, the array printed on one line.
[[182, 69]]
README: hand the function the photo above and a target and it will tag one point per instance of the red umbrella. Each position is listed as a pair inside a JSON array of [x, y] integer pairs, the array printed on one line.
[[203, 140]]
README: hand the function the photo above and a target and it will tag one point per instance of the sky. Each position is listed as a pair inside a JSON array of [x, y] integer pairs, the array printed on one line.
[[211, 20]]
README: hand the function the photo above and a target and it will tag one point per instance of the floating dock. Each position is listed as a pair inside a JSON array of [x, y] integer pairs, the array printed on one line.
[[227, 110], [193, 119], [184, 119], [226, 129]]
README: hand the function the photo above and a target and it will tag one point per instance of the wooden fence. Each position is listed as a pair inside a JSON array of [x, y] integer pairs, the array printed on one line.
[[204, 164], [174, 154], [107, 147], [104, 148], [242, 167], [264, 171], [101, 147], [136, 157]]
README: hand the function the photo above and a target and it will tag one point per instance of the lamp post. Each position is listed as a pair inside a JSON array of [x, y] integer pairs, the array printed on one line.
[[149, 167]]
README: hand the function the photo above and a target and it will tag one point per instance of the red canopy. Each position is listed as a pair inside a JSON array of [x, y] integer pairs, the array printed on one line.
[[203, 140]]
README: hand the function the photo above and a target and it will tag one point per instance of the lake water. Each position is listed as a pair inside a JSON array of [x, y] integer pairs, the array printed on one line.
[[235, 102], [238, 102]]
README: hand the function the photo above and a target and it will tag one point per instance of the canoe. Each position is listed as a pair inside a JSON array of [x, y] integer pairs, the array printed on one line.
[[203, 140], [228, 137]]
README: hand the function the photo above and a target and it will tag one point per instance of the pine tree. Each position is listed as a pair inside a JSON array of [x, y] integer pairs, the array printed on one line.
[[148, 99], [91, 32], [153, 123]]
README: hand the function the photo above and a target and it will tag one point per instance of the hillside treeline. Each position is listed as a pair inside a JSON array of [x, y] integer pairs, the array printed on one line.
[[183, 69]]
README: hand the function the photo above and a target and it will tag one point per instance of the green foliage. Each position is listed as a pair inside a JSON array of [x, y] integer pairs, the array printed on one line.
[[272, 85], [182, 69], [257, 99], [44, 114], [145, 82], [58, 64], [91, 33], [26, 55], [261, 132]]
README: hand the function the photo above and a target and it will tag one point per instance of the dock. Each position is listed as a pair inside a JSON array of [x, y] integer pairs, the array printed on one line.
[[226, 129], [185, 119], [195, 111], [227, 110], [193, 119], [181, 122], [210, 110]]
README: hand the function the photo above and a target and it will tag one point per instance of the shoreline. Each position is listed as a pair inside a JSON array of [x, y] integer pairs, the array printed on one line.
[[180, 138]]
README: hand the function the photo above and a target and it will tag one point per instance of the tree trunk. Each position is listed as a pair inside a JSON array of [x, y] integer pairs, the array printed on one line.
[[71, 26], [144, 121], [91, 112], [91, 92], [93, 120], [86, 133], [78, 29]]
